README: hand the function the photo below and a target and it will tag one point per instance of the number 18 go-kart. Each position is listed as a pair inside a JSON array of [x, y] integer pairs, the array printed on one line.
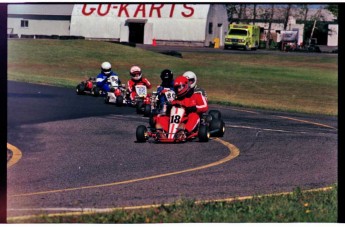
[[210, 125]]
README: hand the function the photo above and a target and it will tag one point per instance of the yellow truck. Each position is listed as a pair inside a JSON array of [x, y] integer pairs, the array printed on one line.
[[242, 36]]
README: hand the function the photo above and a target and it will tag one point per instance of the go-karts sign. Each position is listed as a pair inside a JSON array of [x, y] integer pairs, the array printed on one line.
[[139, 10]]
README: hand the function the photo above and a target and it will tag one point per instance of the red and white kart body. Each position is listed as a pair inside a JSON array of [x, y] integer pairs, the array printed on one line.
[[117, 92], [174, 134], [142, 100], [88, 87]]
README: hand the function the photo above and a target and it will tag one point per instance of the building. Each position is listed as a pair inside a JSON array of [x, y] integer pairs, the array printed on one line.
[[30, 20], [166, 24]]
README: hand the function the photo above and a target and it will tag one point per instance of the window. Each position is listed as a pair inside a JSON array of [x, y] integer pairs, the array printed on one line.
[[24, 23], [237, 32], [210, 28]]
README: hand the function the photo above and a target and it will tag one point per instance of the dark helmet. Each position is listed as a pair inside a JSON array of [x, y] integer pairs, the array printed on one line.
[[167, 76]]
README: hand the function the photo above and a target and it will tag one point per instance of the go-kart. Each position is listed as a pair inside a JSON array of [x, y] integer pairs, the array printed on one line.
[[160, 108], [117, 92], [142, 101], [88, 87], [208, 126]]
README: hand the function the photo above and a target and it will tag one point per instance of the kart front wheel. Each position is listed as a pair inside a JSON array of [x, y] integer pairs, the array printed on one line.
[[147, 110], [203, 133], [106, 100], [139, 107], [119, 100], [141, 134]]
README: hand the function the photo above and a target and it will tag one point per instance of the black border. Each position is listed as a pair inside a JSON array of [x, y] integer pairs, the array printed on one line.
[[3, 109]]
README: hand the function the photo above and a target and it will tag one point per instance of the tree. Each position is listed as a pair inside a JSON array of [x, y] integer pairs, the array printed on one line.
[[287, 14], [333, 8], [269, 26], [232, 10], [254, 13]]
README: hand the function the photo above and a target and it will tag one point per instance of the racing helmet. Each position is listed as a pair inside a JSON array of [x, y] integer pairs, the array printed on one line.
[[106, 68], [135, 72], [191, 78], [166, 76], [181, 86]]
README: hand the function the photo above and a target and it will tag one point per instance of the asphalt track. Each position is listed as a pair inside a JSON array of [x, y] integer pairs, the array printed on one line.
[[73, 153]]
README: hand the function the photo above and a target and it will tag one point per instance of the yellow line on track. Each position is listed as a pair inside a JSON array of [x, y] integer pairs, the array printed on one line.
[[234, 152], [16, 155], [309, 122]]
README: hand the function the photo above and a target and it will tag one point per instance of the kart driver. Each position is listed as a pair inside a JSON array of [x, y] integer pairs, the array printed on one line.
[[167, 84], [136, 79], [192, 80], [194, 105], [102, 78]]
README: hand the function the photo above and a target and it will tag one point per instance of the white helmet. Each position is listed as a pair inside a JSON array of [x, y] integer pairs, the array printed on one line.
[[106, 68], [135, 72], [191, 78]]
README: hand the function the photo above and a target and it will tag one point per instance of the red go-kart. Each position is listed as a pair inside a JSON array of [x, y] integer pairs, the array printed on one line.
[[210, 125]]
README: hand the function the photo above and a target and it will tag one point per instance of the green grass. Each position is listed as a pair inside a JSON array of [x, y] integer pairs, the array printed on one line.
[[280, 82], [299, 206]]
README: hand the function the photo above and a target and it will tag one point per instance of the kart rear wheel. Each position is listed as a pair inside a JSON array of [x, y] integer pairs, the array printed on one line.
[[80, 89], [119, 100], [96, 91], [218, 126], [203, 133], [215, 114], [141, 134], [139, 107], [152, 120]]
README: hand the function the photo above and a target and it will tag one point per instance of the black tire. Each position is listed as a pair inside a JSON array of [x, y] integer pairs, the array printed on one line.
[[139, 107], [216, 114], [218, 126], [80, 89], [106, 100], [246, 48], [147, 110], [151, 120], [119, 100], [96, 91], [141, 134], [203, 133]]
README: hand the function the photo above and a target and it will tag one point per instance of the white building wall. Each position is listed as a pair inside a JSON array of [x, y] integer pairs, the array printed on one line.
[[183, 22], [38, 27], [332, 39]]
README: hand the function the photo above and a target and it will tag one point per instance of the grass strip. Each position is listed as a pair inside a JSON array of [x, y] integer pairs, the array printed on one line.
[[299, 206], [295, 83]]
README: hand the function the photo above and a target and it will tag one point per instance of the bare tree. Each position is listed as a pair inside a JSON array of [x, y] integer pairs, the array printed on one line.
[[287, 14], [268, 37], [232, 11], [305, 9], [254, 13]]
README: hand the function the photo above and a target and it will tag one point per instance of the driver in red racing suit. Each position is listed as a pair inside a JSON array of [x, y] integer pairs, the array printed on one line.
[[136, 79], [195, 104]]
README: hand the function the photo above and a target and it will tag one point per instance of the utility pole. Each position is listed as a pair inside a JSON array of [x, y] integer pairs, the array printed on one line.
[[317, 15]]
